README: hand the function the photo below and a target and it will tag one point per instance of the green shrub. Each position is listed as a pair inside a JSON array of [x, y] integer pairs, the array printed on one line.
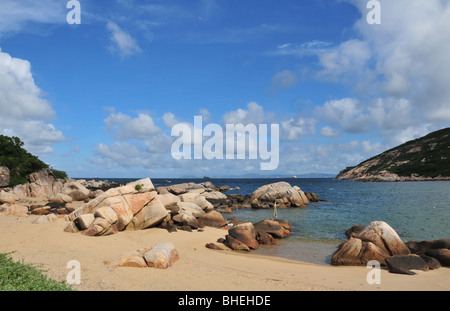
[[19, 161], [18, 276]]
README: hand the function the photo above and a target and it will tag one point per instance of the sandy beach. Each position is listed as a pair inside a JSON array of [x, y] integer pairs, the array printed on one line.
[[199, 268]]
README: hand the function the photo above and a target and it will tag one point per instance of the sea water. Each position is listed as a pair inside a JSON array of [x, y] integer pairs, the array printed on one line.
[[416, 210]]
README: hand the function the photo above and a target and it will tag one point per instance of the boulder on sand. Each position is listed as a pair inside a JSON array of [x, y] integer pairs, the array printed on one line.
[[281, 193], [355, 252], [404, 264], [383, 236]]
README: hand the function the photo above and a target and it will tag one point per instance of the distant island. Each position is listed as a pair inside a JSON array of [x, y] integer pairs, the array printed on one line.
[[426, 158]]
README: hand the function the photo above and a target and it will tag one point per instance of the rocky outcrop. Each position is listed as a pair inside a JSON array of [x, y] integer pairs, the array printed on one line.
[[207, 189], [129, 207], [42, 184], [138, 206], [248, 236], [4, 176], [423, 159], [378, 241], [438, 249], [281, 193]]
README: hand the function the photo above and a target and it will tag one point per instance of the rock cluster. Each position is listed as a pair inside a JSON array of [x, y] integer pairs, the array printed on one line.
[[247, 236], [378, 241], [281, 194], [138, 205]]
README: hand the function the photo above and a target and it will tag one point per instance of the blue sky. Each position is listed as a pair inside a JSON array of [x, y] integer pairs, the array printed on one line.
[[100, 98]]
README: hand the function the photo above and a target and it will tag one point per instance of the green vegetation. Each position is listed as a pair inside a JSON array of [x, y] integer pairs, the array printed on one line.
[[17, 276], [428, 156], [20, 162], [138, 187]]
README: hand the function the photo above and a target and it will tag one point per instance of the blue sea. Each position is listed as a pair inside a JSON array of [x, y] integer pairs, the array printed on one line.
[[416, 210]]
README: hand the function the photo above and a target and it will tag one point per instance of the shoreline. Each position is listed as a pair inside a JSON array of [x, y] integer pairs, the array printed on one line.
[[199, 268]]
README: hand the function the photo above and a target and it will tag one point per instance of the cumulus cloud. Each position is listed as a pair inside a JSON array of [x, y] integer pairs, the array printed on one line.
[[295, 128], [24, 112], [406, 56], [142, 128], [254, 114], [121, 41]]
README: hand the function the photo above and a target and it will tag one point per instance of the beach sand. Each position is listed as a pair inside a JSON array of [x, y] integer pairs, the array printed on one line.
[[199, 268]]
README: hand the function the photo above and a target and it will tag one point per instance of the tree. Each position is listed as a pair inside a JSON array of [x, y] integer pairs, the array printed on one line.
[[20, 162]]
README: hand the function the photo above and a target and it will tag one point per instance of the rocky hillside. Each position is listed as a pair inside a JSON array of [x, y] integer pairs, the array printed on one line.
[[426, 158]]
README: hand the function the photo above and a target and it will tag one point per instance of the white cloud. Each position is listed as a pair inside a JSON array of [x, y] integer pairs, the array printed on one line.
[[124, 127], [15, 15], [254, 114], [350, 56], [141, 128], [23, 110], [295, 128], [122, 42], [408, 53], [284, 79], [328, 131]]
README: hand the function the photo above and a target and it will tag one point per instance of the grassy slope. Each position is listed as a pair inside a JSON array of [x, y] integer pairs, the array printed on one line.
[[428, 156]]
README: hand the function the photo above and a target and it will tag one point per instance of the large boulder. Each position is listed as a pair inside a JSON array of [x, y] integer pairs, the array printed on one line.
[[441, 254], [4, 176], [404, 264], [423, 246], [212, 219], [355, 252], [76, 190], [377, 241], [151, 215], [170, 202], [8, 197], [272, 227], [245, 233], [161, 256], [44, 184], [383, 236], [281, 193]]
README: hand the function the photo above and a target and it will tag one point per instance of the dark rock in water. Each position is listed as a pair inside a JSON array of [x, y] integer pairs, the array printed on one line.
[[265, 238], [443, 255], [245, 233], [312, 197], [432, 263], [404, 264], [271, 227], [354, 231]]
